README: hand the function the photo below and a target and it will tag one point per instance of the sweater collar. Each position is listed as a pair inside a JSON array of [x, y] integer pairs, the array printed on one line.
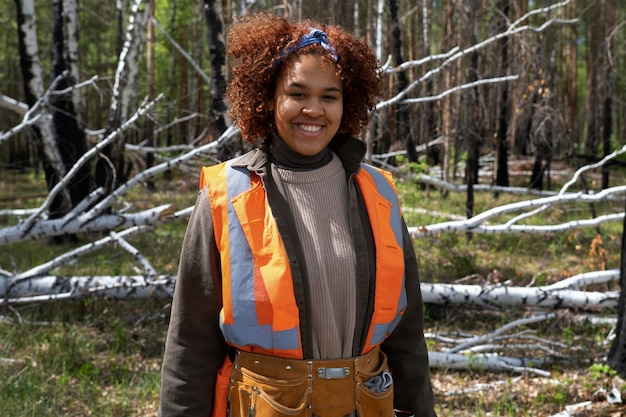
[[285, 157], [349, 150]]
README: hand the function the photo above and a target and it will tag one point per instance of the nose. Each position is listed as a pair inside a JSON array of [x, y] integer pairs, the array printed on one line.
[[313, 108]]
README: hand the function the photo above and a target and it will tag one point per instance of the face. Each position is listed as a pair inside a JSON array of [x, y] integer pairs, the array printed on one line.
[[307, 105]]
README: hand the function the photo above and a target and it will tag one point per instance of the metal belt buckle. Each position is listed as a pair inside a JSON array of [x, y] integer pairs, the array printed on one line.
[[333, 373]]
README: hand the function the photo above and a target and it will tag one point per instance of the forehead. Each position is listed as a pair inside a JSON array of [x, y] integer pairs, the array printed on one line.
[[309, 69]]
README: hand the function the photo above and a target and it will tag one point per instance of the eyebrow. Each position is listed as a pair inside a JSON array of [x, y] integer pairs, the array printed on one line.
[[304, 86]]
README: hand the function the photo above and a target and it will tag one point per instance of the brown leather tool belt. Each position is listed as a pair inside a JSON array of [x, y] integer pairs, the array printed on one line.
[[268, 386]]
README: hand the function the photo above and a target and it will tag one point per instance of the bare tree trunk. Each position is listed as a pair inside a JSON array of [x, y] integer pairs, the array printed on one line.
[[571, 95], [48, 150], [343, 14], [370, 131], [607, 108], [120, 7], [428, 124], [447, 108], [617, 353], [472, 134], [403, 132], [593, 105], [69, 133], [110, 168], [217, 51], [149, 123], [501, 171], [607, 124]]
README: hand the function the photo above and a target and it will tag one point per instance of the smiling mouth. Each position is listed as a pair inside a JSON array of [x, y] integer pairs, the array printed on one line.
[[310, 128]]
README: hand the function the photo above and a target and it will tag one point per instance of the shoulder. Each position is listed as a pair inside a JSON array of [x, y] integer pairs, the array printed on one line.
[[376, 172], [251, 161]]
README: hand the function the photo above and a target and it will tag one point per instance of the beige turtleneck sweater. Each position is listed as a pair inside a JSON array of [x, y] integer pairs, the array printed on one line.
[[319, 202]]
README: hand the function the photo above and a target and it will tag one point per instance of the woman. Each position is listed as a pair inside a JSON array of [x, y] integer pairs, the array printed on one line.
[[296, 264]]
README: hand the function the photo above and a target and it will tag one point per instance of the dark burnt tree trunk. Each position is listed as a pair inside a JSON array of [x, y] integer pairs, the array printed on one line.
[[607, 128], [617, 353], [149, 126], [473, 134], [593, 104], [502, 172], [217, 57], [70, 137], [403, 132]]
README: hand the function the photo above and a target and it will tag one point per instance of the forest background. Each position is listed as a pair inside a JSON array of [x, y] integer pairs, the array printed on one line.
[[506, 98]]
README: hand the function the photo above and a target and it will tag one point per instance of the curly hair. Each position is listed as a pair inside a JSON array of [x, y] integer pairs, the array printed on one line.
[[257, 45]]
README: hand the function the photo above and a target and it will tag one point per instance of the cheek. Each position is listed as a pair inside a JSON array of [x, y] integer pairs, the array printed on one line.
[[285, 110], [339, 111]]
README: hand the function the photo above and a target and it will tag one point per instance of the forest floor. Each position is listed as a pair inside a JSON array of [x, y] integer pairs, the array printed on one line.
[[579, 384], [504, 395], [102, 358]]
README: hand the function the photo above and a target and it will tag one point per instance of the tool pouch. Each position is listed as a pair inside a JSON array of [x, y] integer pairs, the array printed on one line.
[[267, 386]]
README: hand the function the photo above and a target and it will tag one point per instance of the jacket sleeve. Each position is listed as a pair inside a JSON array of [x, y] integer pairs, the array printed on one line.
[[195, 348], [406, 347]]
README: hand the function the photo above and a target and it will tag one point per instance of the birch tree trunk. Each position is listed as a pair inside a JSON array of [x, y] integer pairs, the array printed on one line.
[[110, 168], [43, 131]]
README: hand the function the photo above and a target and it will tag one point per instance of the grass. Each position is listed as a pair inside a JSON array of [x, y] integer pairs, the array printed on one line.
[[95, 357], [80, 358]]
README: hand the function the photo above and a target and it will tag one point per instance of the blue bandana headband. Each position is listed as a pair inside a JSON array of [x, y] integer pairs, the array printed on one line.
[[314, 36]]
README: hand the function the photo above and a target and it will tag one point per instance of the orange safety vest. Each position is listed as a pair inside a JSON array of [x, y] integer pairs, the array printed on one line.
[[259, 312]]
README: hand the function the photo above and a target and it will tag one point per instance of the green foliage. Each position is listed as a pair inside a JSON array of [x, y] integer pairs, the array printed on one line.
[[601, 371], [506, 406]]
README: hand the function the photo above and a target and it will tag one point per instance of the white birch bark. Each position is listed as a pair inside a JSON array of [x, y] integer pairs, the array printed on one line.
[[479, 362], [83, 224], [36, 87], [52, 288], [13, 105], [501, 297], [476, 223], [124, 86], [70, 26]]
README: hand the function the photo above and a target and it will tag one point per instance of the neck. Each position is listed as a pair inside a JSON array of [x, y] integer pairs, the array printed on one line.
[[285, 157]]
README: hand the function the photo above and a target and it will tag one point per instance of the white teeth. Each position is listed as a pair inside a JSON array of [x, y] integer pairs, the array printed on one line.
[[310, 128]]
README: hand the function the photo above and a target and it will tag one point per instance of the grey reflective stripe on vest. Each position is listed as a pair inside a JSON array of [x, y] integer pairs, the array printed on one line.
[[388, 193]]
